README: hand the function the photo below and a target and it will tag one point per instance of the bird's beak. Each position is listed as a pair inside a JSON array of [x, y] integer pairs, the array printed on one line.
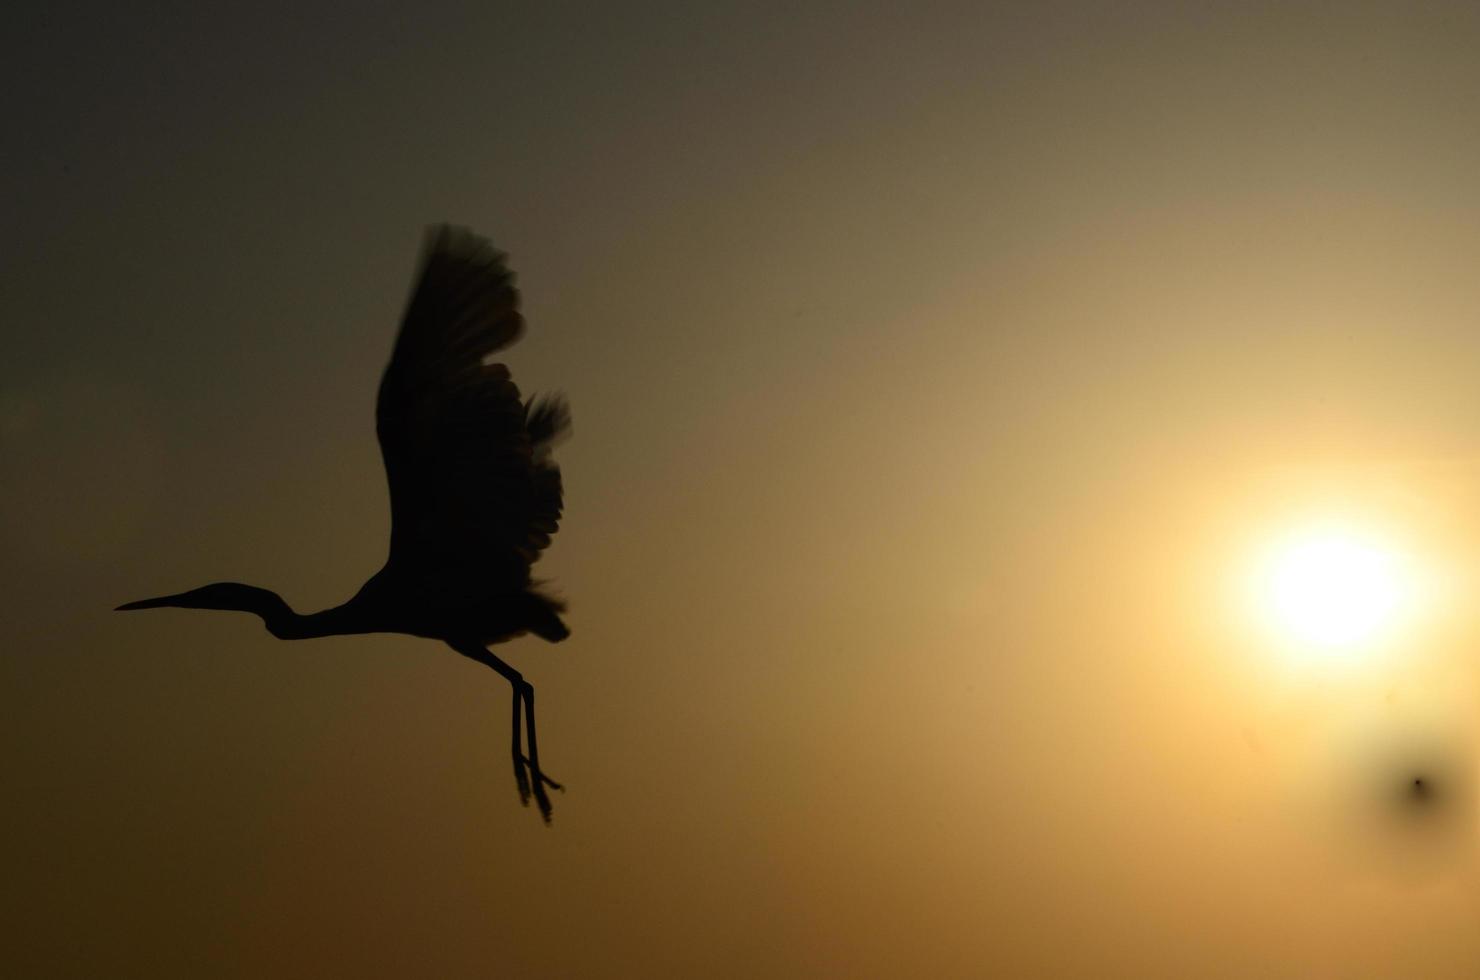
[[164, 600]]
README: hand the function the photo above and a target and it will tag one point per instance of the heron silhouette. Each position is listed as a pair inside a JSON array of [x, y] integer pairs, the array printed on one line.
[[475, 495]]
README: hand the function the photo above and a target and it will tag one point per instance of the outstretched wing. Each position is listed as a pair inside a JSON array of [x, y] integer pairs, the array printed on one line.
[[474, 494]]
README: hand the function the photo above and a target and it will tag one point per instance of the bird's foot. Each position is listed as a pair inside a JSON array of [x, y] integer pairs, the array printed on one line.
[[540, 777], [522, 780]]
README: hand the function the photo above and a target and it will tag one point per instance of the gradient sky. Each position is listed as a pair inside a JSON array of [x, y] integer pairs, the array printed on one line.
[[932, 367]]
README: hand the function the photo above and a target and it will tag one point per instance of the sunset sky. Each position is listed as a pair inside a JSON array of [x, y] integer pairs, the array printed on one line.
[[1023, 516]]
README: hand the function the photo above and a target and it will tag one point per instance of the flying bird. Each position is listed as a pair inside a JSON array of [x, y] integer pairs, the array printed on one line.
[[475, 495]]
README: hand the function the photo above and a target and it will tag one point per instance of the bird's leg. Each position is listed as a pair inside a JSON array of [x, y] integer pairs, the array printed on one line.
[[519, 775], [524, 693], [540, 779]]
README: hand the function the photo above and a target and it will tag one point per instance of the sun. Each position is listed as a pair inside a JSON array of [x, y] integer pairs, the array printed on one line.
[[1332, 587]]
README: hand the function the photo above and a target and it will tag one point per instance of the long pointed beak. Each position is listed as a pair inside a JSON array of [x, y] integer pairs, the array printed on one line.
[[164, 600]]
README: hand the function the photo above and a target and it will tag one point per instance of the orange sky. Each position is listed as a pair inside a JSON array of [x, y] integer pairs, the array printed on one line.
[[932, 370]]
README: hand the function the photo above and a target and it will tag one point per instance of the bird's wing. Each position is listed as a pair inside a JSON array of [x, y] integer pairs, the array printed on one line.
[[474, 494]]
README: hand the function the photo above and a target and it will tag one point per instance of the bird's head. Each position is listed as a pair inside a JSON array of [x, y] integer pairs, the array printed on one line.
[[223, 595]]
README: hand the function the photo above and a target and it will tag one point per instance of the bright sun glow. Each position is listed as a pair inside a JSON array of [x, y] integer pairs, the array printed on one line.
[[1333, 588]]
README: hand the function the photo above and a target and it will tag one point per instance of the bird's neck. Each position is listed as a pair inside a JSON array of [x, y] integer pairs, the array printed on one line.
[[280, 618], [285, 624]]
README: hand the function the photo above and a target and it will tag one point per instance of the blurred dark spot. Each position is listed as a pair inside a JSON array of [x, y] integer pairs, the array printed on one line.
[[1420, 795], [1415, 798], [1427, 790]]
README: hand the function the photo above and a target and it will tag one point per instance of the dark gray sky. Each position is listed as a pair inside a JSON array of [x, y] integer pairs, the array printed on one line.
[[934, 369]]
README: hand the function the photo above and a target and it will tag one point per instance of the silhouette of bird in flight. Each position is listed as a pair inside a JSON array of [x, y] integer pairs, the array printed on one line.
[[474, 493]]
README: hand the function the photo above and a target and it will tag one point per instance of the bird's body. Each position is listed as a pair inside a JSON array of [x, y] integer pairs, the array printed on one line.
[[475, 496]]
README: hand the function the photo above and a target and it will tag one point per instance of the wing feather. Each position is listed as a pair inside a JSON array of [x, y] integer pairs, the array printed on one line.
[[475, 496]]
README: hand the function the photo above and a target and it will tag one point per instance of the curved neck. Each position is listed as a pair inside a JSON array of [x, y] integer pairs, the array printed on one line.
[[334, 621], [285, 624], [279, 618]]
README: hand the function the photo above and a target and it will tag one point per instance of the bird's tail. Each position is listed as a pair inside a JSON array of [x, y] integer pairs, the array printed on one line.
[[547, 419], [545, 621]]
